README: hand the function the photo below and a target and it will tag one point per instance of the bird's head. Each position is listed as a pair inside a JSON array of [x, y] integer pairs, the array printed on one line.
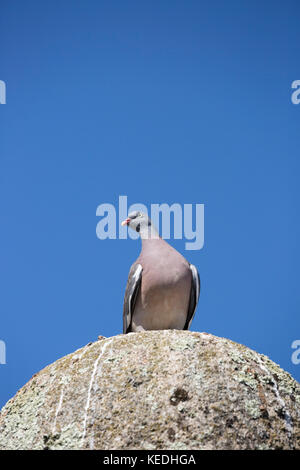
[[137, 221]]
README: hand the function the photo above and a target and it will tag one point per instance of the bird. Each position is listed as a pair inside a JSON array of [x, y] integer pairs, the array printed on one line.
[[163, 288]]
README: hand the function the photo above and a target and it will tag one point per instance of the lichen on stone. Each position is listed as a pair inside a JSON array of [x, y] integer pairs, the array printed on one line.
[[152, 390]]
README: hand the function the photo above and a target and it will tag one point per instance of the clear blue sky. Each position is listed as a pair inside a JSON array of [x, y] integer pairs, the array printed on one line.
[[167, 101]]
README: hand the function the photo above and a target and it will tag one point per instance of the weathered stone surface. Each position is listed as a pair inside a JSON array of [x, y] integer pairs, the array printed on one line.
[[156, 390]]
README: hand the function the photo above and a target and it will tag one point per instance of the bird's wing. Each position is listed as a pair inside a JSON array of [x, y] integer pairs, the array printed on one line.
[[194, 296], [131, 292]]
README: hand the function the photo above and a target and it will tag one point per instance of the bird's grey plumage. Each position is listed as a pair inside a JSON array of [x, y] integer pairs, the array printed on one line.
[[163, 288]]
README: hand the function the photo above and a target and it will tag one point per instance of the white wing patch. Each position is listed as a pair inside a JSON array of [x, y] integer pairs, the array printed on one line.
[[196, 280], [136, 277]]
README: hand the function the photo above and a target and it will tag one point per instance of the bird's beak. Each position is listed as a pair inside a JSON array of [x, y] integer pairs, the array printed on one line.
[[126, 221]]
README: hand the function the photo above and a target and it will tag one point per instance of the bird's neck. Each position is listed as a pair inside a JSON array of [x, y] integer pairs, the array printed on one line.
[[149, 233]]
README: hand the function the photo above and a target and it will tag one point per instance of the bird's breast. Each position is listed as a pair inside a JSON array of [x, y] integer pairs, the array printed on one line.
[[163, 299]]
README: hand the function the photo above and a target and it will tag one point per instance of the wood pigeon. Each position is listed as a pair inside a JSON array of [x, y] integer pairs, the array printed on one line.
[[163, 288]]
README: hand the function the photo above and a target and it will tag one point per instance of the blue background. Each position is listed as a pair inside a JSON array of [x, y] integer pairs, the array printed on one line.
[[167, 101]]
